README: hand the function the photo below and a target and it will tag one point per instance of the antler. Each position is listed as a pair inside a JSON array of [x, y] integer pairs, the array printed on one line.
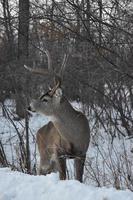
[[57, 77], [40, 70], [52, 91], [36, 70], [65, 59], [63, 65], [49, 61]]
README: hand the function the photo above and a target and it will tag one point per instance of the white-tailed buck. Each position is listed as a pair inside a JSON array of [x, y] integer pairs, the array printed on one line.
[[68, 129]]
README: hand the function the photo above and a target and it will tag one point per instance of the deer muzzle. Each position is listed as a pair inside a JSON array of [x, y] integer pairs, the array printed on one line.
[[31, 107]]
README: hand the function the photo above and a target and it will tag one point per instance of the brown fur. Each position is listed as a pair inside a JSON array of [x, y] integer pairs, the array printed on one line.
[[53, 152], [52, 148]]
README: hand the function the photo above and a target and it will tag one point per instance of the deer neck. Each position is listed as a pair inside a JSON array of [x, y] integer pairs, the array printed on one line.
[[64, 112], [64, 119], [72, 126]]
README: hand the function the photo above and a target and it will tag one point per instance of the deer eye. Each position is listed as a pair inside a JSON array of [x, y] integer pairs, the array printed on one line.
[[44, 100], [42, 97], [45, 97]]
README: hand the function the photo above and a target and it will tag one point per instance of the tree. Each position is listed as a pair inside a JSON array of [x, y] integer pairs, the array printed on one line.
[[23, 30], [23, 52], [8, 30]]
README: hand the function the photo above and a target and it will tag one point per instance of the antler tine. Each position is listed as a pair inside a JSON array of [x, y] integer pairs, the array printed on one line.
[[63, 65], [49, 61], [40, 70], [36, 70]]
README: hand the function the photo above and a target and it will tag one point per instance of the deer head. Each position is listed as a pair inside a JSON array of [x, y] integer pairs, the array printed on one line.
[[50, 101]]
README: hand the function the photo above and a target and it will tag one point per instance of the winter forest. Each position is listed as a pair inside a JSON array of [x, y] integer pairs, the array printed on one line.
[[96, 36]]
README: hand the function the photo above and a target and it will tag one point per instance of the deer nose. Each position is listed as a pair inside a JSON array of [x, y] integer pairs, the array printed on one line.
[[29, 108]]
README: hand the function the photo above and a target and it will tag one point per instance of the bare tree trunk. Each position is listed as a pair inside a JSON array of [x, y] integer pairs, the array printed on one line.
[[23, 44], [8, 28], [23, 32]]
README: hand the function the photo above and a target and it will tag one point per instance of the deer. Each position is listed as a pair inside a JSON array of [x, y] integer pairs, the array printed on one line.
[[66, 124]]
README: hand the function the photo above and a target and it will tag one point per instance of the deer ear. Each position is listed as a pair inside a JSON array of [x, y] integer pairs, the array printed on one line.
[[58, 93]]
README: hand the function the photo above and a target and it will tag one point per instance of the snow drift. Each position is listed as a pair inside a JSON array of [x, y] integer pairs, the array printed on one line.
[[18, 186]]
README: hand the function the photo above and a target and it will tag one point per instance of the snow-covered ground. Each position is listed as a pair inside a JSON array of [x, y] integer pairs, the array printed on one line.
[[108, 164], [19, 186]]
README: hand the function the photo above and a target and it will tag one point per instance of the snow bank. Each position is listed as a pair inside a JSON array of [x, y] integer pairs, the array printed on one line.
[[19, 186]]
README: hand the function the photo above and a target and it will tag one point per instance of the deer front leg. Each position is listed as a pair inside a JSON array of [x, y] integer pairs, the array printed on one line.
[[62, 168], [79, 167]]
